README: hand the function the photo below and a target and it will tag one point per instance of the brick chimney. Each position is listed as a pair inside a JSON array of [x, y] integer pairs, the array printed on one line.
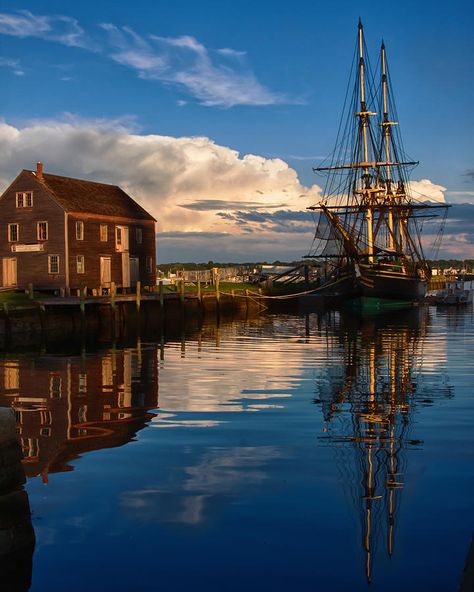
[[39, 170]]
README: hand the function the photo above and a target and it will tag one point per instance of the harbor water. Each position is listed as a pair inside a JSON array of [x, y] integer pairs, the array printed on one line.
[[330, 451]]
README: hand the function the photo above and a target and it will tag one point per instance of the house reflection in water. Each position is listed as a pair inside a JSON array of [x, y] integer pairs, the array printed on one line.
[[368, 404], [66, 406]]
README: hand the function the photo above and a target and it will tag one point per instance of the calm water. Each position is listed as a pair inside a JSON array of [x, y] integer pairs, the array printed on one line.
[[284, 453]]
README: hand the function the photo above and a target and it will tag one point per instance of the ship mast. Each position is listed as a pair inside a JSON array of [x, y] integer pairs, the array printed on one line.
[[363, 124], [386, 136]]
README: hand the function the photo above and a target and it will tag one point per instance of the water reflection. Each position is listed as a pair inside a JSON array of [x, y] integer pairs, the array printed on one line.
[[229, 443], [368, 403], [197, 492], [66, 406]]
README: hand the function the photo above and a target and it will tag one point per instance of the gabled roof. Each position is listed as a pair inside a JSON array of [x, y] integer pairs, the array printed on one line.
[[77, 195]]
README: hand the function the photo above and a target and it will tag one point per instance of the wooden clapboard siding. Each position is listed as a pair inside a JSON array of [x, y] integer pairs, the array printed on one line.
[[33, 267], [92, 248], [51, 204]]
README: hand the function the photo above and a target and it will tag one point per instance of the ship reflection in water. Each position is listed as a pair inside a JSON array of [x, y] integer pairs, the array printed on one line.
[[368, 405], [220, 450]]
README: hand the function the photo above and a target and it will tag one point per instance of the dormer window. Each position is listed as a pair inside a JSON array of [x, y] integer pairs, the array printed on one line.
[[24, 199]]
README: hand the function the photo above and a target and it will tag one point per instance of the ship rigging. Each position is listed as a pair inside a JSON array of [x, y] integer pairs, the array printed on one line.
[[368, 230]]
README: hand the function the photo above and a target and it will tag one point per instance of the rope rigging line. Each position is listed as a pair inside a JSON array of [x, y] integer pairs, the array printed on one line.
[[285, 296]]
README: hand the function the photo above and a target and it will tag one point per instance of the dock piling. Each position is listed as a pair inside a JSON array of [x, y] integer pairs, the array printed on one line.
[[138, 294]]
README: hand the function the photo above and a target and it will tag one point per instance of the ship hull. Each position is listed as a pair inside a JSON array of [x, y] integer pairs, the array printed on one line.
[[392, 286], [376, 284]]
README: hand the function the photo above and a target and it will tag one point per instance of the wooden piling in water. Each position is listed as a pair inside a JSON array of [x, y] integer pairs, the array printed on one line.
[[82, 305], [112, 295], [138, 295], [162, 296]]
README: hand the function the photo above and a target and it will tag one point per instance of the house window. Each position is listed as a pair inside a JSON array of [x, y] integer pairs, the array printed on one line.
[[82, 382], [42, 231], [53, 263], [46, 417], [138, 235], [121, 238], [55, 386], [149, 264], [80, 263], [12, 376], [80, 230], [24, 199], [13, 233], [103, 233]]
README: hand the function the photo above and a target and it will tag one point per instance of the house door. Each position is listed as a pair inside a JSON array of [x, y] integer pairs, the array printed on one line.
[[125, 270], [134, 271], [105, 271], [9, 271]]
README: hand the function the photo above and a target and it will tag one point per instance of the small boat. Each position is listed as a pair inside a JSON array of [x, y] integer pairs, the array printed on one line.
[[457, 292], [368, 233]]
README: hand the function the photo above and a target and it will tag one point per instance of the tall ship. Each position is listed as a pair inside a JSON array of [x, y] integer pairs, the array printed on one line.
[[368, 232]]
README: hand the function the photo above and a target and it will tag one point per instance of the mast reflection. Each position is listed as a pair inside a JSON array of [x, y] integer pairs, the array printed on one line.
[[368, 405]]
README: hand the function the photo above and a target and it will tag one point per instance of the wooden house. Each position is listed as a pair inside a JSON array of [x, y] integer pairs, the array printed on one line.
[[59, 233]]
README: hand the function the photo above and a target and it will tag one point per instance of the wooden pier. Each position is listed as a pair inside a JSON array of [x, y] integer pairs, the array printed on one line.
[[114, 315]]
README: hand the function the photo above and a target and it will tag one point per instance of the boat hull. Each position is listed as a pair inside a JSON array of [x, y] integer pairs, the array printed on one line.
[[374, 284], [392, 286]]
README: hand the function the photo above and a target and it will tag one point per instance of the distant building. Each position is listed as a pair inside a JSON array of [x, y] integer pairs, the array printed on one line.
[[63, 233]]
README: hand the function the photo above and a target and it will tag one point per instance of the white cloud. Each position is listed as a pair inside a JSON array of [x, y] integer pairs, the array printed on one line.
[[62, 29], [184, 182], [425, 190], [235, 207], [214, 77], [185, 62], [13, 64]]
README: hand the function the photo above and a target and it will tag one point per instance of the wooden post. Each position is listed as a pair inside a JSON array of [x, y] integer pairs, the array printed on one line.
[[162, 345], [113, 292], [138, 296], [83, 292], [218, 296], [42, 315], [246, 301], [8, 327], [233, 301], [181, 292], [199, 291], [30, 291], [162, 296], [112, 295]]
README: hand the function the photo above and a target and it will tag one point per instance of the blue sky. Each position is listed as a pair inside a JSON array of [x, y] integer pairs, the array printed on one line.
[[259, 78]]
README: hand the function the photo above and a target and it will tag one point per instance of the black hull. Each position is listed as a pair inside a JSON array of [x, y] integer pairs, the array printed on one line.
[[392, 287], [376, 284]]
